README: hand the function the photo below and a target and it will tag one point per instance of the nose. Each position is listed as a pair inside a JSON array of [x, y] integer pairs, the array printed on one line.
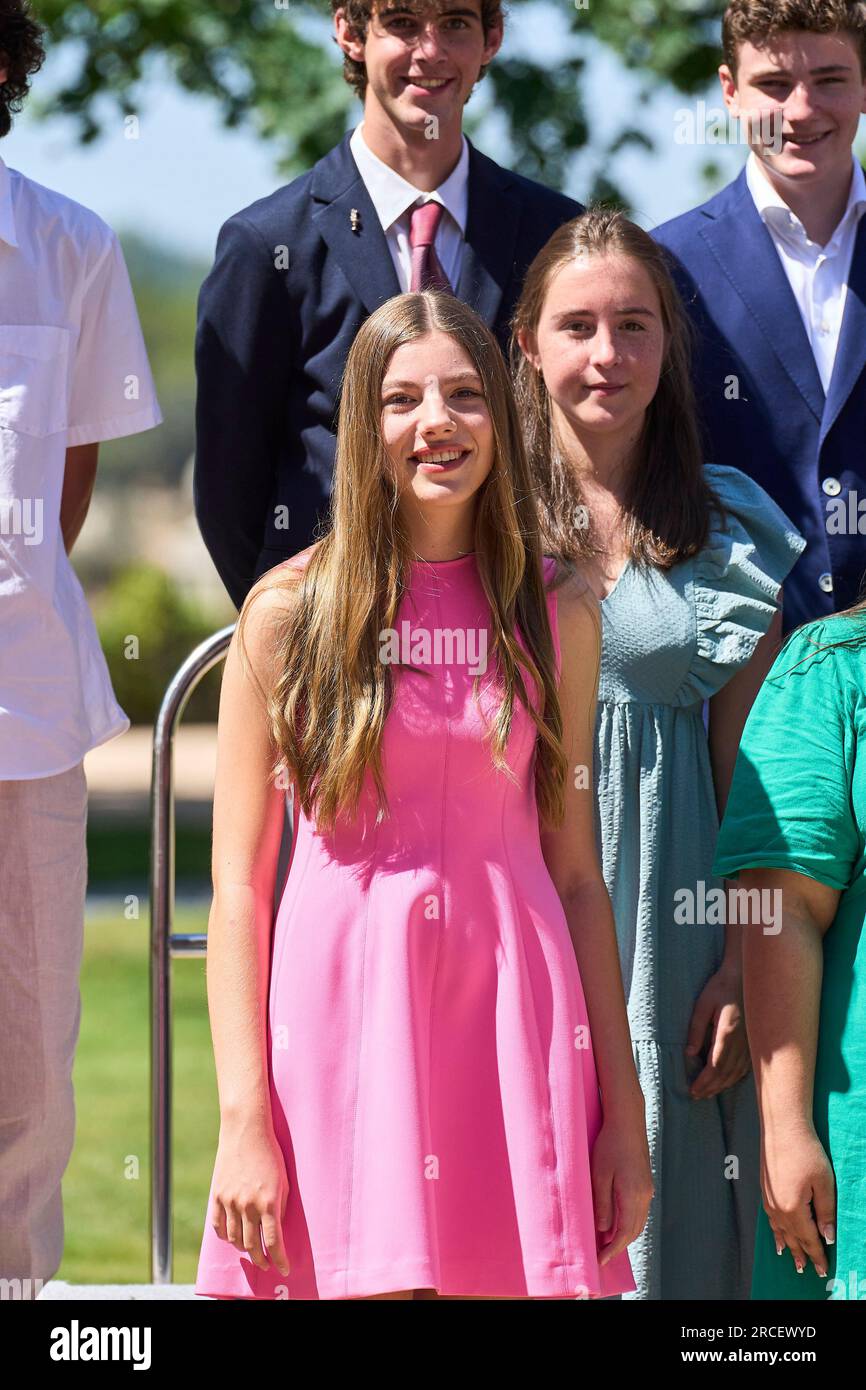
[[434, 417], [799, 105], [429, 40], [603, 351]]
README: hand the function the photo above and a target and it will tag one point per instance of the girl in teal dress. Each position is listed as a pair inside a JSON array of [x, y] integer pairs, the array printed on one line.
[[795, 830], [687, 559]]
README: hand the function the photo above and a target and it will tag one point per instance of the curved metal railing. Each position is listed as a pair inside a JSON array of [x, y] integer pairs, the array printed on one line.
[[164, 944]]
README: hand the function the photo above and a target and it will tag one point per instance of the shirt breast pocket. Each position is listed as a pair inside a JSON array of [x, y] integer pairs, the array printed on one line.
[[33, 378]]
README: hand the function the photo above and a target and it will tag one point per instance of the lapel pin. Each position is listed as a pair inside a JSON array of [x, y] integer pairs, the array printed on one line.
[[355, 220]]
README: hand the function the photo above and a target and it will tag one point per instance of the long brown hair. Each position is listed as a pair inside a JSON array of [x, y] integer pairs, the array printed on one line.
[[333, 692], [667, 499]]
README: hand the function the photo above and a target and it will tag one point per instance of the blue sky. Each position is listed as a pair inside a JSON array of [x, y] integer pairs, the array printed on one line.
[[185, 173]]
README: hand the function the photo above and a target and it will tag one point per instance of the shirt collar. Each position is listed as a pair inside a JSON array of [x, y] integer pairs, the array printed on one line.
[[392, 195], [7, 215], [776, 214]]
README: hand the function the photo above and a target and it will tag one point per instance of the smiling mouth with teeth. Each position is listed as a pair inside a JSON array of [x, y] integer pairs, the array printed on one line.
[[430, 84], [442, 456], [803, 140]]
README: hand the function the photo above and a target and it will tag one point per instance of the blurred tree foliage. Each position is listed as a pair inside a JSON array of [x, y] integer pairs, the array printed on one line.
[[166, 288], [146, 604], [273, 63]]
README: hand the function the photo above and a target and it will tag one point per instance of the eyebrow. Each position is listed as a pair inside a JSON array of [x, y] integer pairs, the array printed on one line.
[[588, 313], [389, 11], [813, 72], [448, 380]]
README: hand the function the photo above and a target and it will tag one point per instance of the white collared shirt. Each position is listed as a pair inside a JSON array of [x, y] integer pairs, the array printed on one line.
[[393, 198], [73, 370], [818, 275]]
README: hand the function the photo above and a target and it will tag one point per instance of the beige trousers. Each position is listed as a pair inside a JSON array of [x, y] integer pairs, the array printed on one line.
[[43, 877]]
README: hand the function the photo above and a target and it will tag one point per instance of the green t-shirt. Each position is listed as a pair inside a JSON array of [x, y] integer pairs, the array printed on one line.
[[798, 802]]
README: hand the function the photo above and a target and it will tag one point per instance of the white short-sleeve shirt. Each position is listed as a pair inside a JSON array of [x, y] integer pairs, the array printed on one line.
[[73, 370]]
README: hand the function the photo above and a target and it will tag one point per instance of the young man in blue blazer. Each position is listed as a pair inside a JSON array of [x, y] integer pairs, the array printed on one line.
[[297, 273], [773, 271]]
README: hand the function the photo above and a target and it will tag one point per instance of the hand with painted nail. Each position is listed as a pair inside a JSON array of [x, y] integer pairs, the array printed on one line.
[[799, 1191]]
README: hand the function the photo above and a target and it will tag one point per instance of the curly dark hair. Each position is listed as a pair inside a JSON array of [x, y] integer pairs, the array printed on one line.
[[358, 15], [758, 21], [22, 53]]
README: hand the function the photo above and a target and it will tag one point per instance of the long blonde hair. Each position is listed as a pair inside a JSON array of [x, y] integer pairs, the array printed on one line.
[[333, 692]]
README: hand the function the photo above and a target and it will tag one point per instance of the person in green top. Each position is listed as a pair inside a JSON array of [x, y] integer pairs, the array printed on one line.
[[795, 829]]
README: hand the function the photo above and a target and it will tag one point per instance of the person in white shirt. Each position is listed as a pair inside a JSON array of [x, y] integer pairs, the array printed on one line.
[[73, 372], [773, 273]]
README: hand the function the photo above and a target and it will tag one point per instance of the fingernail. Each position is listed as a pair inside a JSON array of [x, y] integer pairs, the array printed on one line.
[[822, 1272], [779, 1248], [829, 1233], [799, 1267]]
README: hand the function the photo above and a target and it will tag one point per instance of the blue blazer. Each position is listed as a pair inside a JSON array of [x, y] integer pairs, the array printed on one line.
[[272, 341], [774, 421]]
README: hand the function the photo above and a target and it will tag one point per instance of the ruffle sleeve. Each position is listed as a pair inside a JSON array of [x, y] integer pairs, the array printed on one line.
[[737, 578]]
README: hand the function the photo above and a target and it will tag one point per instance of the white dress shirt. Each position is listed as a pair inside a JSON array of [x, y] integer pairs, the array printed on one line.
[[73, 370], [393, 198], [818, 275]]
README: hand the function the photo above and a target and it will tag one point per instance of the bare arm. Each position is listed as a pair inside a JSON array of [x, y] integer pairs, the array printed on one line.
[[621, 1175], [247, 826], [783, 972], [729, 710], [78, 480], [572, 858]]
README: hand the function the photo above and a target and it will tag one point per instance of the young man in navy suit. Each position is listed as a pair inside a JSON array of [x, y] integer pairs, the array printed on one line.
[[297, 273], [773, 271]]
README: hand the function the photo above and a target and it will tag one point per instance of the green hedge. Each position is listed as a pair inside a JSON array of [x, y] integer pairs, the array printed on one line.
[[148, 627]]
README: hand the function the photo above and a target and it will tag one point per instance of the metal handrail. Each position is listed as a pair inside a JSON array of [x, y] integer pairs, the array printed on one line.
[[164, 945]]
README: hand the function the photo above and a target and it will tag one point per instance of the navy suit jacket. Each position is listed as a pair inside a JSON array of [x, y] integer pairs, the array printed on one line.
[[774, 421], [272, 342]]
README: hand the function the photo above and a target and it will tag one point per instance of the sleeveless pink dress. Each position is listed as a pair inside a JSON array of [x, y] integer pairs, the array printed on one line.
[[433, 1086]]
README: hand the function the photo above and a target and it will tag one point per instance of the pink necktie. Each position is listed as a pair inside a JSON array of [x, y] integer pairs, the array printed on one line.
[[427, 273]]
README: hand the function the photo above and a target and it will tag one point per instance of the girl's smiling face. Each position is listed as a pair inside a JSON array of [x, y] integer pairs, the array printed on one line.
[[433, 408], [600, 343]]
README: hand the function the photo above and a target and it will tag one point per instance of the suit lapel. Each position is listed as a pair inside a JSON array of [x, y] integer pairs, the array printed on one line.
[[851, 353], [488, 251], [744, 249], [363, 255], [491, 234]]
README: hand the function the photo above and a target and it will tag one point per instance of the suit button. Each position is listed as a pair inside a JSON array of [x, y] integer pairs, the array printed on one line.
[[832, 487], [826, 583]]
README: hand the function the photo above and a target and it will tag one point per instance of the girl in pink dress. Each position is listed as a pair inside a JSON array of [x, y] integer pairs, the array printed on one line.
[[425, 1075]]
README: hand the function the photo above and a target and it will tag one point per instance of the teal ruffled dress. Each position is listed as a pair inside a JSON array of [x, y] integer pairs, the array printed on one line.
[[670, 641]]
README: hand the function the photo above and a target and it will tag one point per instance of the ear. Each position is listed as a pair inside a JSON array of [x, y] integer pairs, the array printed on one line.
[[493, 40], [528, 344], [351, 45], [729, 89]]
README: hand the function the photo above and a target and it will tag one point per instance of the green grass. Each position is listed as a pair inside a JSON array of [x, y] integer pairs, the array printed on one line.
[[106, 1189]]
